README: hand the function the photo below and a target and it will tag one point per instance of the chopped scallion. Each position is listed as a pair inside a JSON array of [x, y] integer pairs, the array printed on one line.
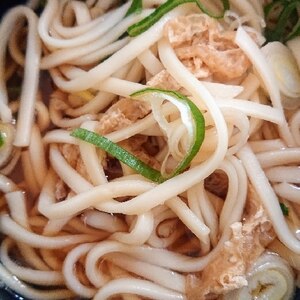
[[284, 208], [283, 22], [1, 139], [196, 131], [164, 8], [135, 7], [118, 152]]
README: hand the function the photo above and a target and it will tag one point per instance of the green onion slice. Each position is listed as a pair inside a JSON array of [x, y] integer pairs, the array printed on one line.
[[191, 117], [135, 7], [1, 139], [164, 8], [288, 22], [118, 152], [284, 208], [190, 114]]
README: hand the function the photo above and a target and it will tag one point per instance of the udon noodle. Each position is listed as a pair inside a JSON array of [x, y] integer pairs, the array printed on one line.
[[78, 222]]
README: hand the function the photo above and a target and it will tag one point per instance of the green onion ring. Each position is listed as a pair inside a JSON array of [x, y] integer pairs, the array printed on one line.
[[135, 163]]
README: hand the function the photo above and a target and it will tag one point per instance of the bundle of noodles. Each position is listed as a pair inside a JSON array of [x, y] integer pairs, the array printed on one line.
[[159, 159]]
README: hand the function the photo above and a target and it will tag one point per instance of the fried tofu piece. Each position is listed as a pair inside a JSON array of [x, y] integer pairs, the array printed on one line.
[[134, 145], [206, 48], [228, 270], [121, 114]]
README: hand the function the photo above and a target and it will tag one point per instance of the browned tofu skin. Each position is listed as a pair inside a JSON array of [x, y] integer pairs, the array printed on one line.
[[228, 270]]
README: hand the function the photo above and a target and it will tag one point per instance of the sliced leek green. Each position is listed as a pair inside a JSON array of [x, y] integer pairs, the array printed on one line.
[[1, 139], [196, 130], [118, 152], [287, 24], [164, 8], [284, 208], [135, 7]]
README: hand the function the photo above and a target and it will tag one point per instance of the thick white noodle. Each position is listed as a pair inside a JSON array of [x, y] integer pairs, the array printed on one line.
[[37, 155], [266, 145], [91, 159], [295, 127], [150, 62], [59, 136], [207, 210], [100, 54], [138, 287], [7, 185], [161, 215], [98, 30], [98, 103], [42, 115], [161, 276], [92, 197], [18, 233], [93, 50], [117, 272], [56, 107], [81, 11], [68, 270], [71, 177], [5, 111], [287, 191], [183, 212], [245, 42], [31, 72], [28, 173], [236, 120], [252, 109], [289, 174], [232, 193], [32, 257], [268, 198], [45, 278], [103, 221], [66, 31], [28, 291], [156, 256], [278, 157], [140, 231], [13, 45], [17, 206]]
